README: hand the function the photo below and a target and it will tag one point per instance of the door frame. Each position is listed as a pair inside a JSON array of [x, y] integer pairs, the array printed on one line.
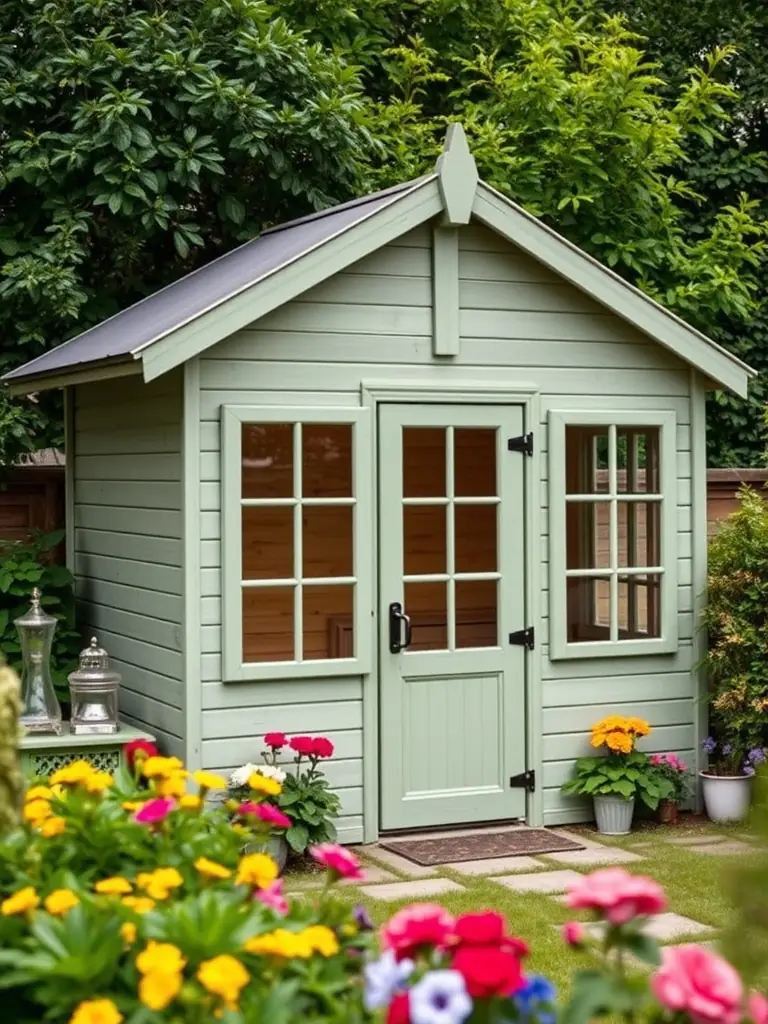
[[526, 395]]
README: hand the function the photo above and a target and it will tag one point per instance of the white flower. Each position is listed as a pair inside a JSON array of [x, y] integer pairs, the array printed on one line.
[[383, 978], [269, 772], [240, 776], [439, 998]]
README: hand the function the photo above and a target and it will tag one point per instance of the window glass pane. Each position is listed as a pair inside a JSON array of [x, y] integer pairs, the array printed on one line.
[[267, 460], [474, 462], [327, 531], [588, 609], [426, 605], [475, 527], [476, 613], [423, 462], [423, 539], [586, 460], [326, 457], [639, 607], [639, 532], [268, 624], [328, 622], [637, 460], [267, 542], [587, 534]]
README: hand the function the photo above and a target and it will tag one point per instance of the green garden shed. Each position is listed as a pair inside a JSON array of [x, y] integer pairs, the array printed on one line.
[[413, 472]]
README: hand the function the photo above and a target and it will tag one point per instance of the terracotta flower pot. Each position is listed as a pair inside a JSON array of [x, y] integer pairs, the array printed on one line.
[[669, 812]]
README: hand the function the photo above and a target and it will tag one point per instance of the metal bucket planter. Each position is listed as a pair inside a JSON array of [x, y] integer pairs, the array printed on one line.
[[726, 797], [614, 815]]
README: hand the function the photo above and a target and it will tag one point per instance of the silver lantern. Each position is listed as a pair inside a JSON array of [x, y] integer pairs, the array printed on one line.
[[93, 691], [42, 711]]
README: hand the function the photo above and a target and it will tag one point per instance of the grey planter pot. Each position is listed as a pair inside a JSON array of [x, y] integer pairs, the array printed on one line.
[[613, 815]]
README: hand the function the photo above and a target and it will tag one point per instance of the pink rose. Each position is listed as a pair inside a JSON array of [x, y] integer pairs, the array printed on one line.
[[154, 811], [758, 1008], [338, 860], [416, 926], [273, 897], [694, 981], [574, 933], [616, 895], [273, 816]]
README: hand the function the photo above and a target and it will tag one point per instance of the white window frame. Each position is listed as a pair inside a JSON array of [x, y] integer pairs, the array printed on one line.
[[235, 668], [666, 643]]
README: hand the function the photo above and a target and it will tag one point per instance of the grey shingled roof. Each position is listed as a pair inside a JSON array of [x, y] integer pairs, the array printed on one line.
[[119, 337]]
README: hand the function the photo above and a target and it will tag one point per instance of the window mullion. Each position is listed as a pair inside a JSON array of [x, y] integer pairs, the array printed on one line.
[[298, 547], [450, 551]]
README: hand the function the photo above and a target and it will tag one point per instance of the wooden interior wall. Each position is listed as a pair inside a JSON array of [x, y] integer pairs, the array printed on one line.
[[32, 500]]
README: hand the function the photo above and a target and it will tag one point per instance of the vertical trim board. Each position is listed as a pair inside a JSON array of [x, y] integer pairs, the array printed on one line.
[[445, 291], [191, 590]]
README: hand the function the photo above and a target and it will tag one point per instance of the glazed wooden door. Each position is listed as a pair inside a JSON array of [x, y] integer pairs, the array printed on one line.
[[452, 548]]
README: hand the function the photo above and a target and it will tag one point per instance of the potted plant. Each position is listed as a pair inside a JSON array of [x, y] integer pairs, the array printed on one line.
[[676, 773], [617, 778], [251, 788], [727, 782]]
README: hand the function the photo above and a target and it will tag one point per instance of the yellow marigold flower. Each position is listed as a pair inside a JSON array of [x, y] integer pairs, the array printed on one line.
[[59, 792], [38, 793], [36, 811], [128, 932], [98, 782], [115, 885], [619, 742], [72, 774], [20, 902], [259, 782], [132, 805], [139, 904], [60, 902], [639, 726], [223, 976], [190, 802], [256, 869], [162, 766], [158, 989], [160, 957], [173, 785], [242, 830], [321, 939], [96, 1011], [211, 869], [52, 827], [158, 883], [280, 943], [209, 780]]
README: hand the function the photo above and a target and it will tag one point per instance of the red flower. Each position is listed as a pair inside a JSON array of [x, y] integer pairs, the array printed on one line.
[[276, 740], [273, 816], [322, 747], [488, 970], [138, 750], [303, 745], [487, 928], [416, 926], [399, 1009], [339, 861]]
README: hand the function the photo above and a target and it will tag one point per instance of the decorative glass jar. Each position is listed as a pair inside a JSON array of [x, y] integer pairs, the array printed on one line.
[[42, 711], [93, 691]]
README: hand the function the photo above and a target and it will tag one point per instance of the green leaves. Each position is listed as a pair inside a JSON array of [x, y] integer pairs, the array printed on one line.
[[631, 776]]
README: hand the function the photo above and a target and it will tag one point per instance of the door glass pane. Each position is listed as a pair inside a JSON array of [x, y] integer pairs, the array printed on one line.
[[327, 531], [326, 456], [267, 460], [476, 613], [639, 531], [423, 462], [586, 460], [268, 624], [639, 607], [328, 621], [637, 460], [267, 542], [588, 608], [475, 527], [424, 540], [587, 534], [426, 605], [474, 461]]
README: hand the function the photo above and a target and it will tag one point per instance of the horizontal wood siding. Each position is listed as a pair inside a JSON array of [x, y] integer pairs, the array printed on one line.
[[128, 543], [518, 325]]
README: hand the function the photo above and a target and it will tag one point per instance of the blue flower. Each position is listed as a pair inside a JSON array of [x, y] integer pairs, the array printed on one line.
[[383, 978], [756, 755], [439, 998], [727, 749], [748, 769], [362, 918], [536, 999], [710, 745]]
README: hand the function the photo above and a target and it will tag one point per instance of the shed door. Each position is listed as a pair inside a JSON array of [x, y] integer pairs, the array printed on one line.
[[452, 688]]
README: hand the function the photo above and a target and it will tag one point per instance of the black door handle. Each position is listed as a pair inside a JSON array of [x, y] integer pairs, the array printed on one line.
[[398, 621]]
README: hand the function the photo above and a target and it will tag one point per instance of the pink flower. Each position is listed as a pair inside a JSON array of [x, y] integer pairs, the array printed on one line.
[[656, 759], [270, 814], [273, 897], [154, 811], [338, 860], [248, 807], [758, 1008], [276, 740], [416, 926], [573, 933], [700, 984], [616, 895], [322, 747]]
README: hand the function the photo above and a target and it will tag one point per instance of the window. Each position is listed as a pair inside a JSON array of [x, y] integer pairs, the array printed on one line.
[[612, 536], [293, 541]]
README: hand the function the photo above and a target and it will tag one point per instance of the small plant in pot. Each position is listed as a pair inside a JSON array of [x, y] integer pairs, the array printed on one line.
[[675, 771], [616, 779], [252, 791], [727, 781]]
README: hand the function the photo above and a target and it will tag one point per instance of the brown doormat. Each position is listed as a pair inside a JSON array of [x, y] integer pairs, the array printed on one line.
[[447, 849]]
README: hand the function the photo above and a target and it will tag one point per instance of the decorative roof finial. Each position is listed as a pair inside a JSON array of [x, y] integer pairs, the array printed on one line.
[[458, 176]]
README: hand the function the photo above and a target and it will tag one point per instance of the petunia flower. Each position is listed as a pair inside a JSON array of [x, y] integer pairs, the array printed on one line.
[[440, 998], [383, 978], [154, 811]]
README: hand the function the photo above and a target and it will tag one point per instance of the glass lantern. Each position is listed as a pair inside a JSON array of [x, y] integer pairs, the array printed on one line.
[[42, 711], [93, 691]]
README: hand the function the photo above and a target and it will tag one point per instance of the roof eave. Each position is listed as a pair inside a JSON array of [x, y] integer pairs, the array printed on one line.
[[85, 373]]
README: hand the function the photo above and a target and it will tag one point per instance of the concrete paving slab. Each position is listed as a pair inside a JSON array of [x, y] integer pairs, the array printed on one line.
[[577, 837], [417, 889], [594, 856], [694, 840], [396, 862], [731, 848], [664, 927], [373, 874], [543, 882], [496, 865]]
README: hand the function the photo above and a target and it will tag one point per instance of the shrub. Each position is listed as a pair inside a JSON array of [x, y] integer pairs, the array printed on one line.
[[736, 618]]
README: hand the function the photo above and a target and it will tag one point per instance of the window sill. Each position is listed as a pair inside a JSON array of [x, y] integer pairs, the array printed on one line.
[[276, 671], [613, 649]]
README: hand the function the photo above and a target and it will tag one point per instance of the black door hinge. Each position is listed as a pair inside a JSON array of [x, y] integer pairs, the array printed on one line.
[[523, 638], [522, 444], [525, 780]]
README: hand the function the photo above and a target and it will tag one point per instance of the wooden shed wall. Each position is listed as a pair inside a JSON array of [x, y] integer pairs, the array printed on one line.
[[127, 544], [374, 322]]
